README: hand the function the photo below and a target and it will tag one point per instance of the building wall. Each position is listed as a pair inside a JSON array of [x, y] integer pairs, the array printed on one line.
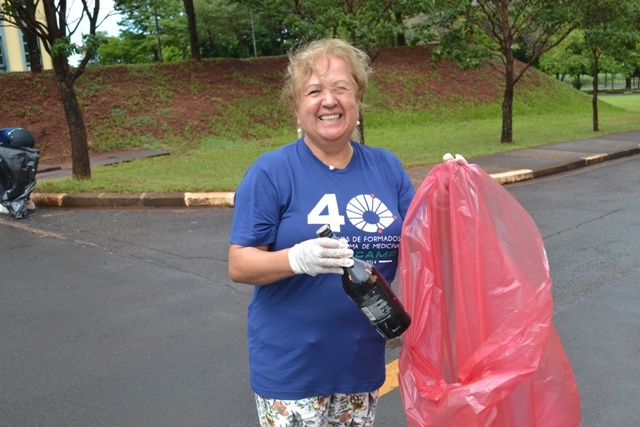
[[13, 48]]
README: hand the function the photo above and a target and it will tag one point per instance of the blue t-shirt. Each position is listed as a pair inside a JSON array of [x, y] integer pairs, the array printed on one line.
[[306, 337]]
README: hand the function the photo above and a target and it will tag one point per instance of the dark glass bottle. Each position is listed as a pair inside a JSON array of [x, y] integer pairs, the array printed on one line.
[[368, 288]]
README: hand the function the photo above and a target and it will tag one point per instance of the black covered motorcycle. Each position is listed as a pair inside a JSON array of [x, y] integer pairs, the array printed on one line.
[[18, 166]]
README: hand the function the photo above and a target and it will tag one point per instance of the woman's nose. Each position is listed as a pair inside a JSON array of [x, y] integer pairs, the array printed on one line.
[[328, 97]]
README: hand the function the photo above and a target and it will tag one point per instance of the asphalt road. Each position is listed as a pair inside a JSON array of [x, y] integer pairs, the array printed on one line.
[[127, 317]]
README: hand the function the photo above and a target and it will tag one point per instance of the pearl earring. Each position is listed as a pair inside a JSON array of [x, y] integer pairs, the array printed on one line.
[[357, 122]]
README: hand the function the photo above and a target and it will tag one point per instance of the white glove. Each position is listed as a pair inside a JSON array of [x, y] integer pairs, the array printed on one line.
[[320, 256], [461, 160]]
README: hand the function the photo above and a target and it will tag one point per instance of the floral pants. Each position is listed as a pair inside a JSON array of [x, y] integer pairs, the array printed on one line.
[[336, 410]]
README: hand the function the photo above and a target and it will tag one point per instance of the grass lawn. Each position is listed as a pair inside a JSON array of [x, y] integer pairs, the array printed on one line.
[[627, 102]]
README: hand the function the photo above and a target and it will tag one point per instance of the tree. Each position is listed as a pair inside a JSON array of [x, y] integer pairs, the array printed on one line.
[[610, 28], [226, 30], [128, 48], [567, 59], [193, 29], [475, 30], [369, 24], [158, 26], [634, 64], [55, 34]]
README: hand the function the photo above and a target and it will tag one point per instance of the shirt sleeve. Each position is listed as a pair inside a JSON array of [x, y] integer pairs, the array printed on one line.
[[256, 209]]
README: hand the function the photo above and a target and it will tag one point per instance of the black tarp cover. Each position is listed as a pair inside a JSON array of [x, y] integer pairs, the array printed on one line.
[[18, 166]]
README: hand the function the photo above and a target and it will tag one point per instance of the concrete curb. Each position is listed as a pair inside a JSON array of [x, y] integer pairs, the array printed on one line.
[[122, 200]]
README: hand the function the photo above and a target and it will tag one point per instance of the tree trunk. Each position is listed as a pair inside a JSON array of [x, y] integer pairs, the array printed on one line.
[[35, 59], [80, 162], [627, 83], [594, 100], [33, 47], [401, 39], [507, 102], [193, 32], [158, 41]]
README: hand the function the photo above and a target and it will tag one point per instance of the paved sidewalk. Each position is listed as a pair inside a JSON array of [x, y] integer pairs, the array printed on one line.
[[46, 171], [506, 168]]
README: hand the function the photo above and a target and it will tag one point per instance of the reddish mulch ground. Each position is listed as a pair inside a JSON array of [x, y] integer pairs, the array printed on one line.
[[185, 98]]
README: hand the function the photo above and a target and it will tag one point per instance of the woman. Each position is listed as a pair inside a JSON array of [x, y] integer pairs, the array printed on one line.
[[314, 357]]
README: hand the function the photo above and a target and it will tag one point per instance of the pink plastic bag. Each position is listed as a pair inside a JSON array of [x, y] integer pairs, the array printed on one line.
[[473, 275]]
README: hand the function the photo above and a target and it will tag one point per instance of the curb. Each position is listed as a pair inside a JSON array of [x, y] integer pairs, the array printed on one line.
[[121, 200]]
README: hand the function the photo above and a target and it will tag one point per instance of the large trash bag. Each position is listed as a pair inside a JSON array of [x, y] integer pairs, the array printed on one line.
[[473, 275], [18, 166]]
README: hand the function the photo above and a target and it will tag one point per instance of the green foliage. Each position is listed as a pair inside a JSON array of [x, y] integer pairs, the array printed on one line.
[[63, 47], [129, 48], [568, 58], [370, 25], [471, 31], [145, 20], [611, 28], [231, 28], [224, 29]]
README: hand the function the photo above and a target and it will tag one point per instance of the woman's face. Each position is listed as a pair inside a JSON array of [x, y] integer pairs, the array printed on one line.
[[328, 106]]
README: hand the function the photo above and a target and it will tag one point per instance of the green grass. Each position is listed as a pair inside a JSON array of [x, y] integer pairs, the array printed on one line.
[[626, 102], [416, 137]]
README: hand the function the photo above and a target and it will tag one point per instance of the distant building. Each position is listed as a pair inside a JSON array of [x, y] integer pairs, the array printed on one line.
[[14, 54]]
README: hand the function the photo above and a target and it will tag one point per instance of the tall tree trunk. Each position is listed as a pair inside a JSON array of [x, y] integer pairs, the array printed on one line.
[[193, 32], [33, 47], [401, 39], [35, 59], [627, 83], [65, 77], [158, 40], [507, 102], [80, 162], [594, 99]]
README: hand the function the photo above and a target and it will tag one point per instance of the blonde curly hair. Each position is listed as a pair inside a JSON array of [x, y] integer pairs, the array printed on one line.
[[302, 64]]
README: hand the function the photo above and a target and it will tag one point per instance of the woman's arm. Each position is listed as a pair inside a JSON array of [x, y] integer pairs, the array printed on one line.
[[257, 265]]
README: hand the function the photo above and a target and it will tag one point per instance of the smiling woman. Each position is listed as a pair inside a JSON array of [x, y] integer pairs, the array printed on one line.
[[312, 352]]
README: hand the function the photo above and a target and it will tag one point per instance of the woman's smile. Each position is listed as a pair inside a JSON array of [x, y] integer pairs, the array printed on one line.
[[330, 118]]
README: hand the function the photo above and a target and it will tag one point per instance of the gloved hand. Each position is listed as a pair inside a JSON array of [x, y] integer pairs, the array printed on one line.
[[320, 256], [461, 160]]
